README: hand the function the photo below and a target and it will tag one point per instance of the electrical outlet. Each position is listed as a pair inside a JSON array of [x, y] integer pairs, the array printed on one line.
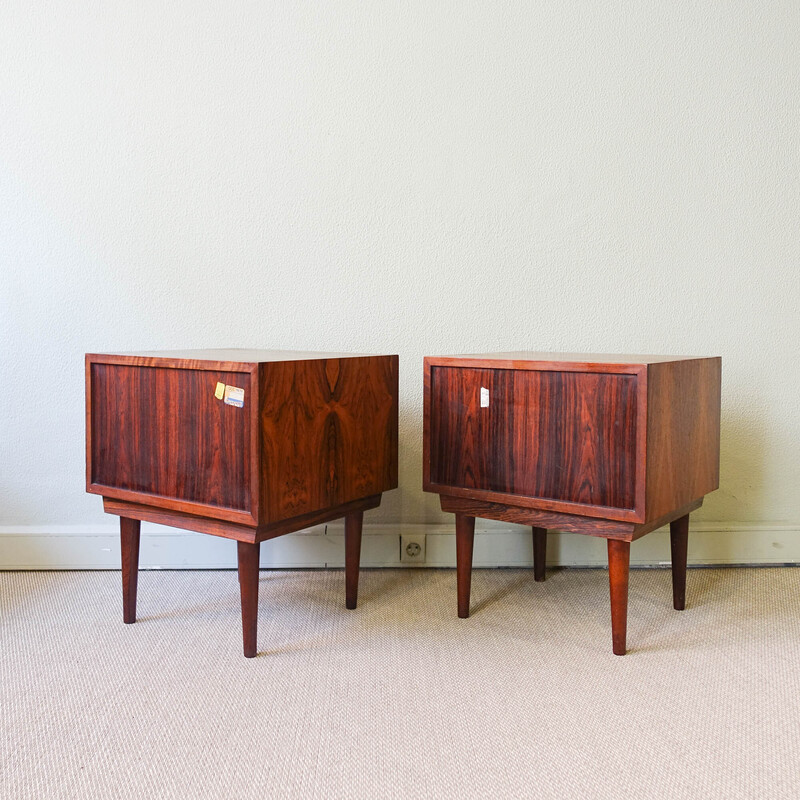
[[412, 549]]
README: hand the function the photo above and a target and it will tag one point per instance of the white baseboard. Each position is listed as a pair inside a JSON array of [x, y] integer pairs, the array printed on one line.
[[69, 547]]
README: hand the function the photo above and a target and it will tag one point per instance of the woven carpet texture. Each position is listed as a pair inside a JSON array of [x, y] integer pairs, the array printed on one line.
[[400, 698]]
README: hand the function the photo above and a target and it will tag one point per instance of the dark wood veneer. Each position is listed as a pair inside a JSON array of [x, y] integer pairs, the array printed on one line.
[[683, 423], [339, 415], [560, 436], [129, 530], [611, 446], [162, 432], [247, 560], [315, 440]]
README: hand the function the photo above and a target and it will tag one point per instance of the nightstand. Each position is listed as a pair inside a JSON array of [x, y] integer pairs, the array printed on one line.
[[605, 445], [243, 444]]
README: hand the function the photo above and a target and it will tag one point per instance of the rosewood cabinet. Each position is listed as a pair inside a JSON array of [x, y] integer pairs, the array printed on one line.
[[611, 446], [244, 444]]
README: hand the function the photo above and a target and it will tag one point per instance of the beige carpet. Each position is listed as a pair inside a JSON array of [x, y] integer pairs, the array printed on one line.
[[400, 699]]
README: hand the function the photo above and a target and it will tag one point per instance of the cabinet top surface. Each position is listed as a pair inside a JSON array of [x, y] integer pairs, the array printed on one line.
[[229, 355], [528, 356]]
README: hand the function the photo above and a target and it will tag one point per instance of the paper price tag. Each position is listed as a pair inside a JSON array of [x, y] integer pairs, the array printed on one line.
[[234, 396], [219, 391], [484, 397]]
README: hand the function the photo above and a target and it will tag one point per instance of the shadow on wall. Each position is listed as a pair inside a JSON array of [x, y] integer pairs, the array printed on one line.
[[742, 479], [415, 506]]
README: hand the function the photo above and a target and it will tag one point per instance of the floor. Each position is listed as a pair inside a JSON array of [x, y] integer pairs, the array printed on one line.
[[400, 698]]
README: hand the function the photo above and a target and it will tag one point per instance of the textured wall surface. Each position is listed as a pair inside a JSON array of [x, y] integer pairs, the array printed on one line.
[[402, 177]]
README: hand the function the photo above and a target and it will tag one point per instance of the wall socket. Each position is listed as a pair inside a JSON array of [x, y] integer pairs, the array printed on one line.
[[412, 548]]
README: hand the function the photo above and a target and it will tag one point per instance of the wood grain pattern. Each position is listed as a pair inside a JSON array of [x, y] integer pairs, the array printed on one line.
[[162, 432], [316, 440], [571, 523], [233, 359], [352, 556], [465, 536], [180, 519], [679, 544], [129, 530], [328, 433], [232, 530], [533, 359], [619, 557], [315, 433], [248, 559], [611, 446], [683, 430], [560, 436]]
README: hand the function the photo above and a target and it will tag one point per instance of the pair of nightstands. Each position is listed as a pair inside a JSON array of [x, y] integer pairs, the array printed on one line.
[[250, 445]]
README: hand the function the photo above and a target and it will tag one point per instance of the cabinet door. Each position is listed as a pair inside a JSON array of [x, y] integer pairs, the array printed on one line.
[[568, 437], [163, 433]]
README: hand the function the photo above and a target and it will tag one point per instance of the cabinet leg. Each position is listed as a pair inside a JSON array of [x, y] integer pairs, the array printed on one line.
[[248, 587], [679, 541], [619, 558], [539, 553], [465, 535], [352, 556], [129, 542]]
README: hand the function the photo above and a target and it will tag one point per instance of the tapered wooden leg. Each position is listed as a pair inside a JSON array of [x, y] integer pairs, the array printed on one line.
[[619, 558], [465, 535], [248, 588], [679, 542], [352, 556], [539, 553], [129, 541]]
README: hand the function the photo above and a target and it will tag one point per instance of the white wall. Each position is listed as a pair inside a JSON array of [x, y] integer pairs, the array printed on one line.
[[409, 177]]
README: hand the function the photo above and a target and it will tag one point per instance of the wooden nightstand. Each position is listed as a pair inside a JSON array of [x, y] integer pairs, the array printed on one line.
[[606, 445], [244, 444]]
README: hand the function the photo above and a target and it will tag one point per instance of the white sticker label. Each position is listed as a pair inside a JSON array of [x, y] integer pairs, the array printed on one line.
[[484, 398], [234, 396]]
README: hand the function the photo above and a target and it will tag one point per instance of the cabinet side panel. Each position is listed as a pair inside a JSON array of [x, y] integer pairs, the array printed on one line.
[[560, 436], [683, 421], [163, 432], [328, 433]]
